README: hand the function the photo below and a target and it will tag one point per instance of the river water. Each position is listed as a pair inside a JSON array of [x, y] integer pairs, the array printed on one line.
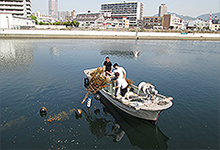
[[49, 73]]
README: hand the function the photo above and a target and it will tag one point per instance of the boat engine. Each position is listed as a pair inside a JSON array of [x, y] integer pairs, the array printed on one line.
[[147, 88]]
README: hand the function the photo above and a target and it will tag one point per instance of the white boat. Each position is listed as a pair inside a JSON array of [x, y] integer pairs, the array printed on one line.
[[142, 101]]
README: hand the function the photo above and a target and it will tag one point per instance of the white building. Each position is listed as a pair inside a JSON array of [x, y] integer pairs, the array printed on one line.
[[175, 22], [44, 18], [132, 10], [15, 14], [18, 8], [198, 24]]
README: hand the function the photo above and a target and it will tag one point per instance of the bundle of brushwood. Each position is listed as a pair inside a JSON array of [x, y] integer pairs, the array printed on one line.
[[96, 82], [129, 81]]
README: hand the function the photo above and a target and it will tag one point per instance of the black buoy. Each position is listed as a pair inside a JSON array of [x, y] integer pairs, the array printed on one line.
[[97, 96], [78, 113], [43, 112]]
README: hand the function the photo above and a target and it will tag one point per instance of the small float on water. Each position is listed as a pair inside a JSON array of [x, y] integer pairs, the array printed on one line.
[[142, 101]]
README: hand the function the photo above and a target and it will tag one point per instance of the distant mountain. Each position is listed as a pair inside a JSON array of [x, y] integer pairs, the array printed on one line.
[[206, 16], [183, 17]]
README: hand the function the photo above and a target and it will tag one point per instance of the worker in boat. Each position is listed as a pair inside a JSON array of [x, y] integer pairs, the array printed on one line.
[[122, 84], [120, 70], [107, 66]]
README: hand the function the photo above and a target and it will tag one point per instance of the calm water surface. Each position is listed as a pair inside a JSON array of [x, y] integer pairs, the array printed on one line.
[[49, 73]]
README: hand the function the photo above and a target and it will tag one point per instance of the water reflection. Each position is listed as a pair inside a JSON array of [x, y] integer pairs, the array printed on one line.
[[101, 127], [141, 133], [54, 51], [121, 53], [15, 57]]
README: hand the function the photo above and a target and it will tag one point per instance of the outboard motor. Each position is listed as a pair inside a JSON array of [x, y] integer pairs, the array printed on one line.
[[147, 88]]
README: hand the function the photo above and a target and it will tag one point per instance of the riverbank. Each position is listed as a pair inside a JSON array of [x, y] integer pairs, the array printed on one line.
[[65, 34]]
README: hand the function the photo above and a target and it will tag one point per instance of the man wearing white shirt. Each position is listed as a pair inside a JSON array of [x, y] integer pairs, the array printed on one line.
[[120, 70], [122, 84]]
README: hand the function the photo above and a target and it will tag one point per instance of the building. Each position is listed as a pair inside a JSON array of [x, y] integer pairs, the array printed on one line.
[[198, 24], [162, 10], [202, 25], [14, 14], [116, 23], [90, 19], [215, 26], [53, 8], [18, 8], [44, 18], [132, 10], [63, 15], [97, 20], [73, 13], [153, 22], [171, 21]]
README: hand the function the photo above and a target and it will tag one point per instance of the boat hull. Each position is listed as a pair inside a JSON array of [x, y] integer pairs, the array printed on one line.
[[142, 114]]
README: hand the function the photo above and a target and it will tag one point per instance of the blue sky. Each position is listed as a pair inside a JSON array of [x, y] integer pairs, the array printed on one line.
[[192, 8]]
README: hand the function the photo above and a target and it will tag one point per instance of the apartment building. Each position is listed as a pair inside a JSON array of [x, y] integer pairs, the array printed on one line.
[[18, 8], [162, 10], [14, 14], [133, 11], [53, 8], [63, 15], [153, 22]]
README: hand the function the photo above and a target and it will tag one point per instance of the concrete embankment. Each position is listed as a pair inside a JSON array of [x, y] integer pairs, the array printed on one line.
[[65, 34]]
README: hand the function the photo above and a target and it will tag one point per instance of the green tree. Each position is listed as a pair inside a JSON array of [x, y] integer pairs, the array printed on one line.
[[34, 18], [75, 23]]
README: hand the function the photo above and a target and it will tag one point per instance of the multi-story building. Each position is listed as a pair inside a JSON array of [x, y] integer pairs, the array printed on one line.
[[18, 8], [215, 24], [162, 10], [153, 22], [53, 8], [15, 14], [63, 15], [132, 10], [171, 21], [90, 19]]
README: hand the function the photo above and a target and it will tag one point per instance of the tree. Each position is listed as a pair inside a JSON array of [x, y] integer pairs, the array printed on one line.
[[75, 23], [34, 18]]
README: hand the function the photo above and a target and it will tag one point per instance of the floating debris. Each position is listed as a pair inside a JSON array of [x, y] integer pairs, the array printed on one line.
[[12, 123], [60, 116]]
